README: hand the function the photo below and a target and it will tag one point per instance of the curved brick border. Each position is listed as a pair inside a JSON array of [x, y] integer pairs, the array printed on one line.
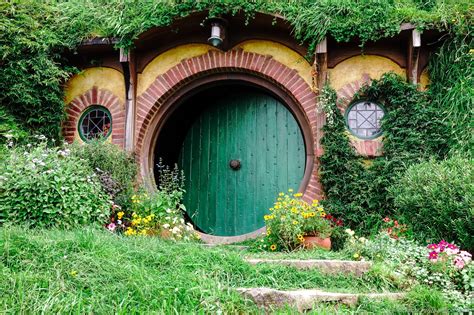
[[233, 61], [96, 97], [371, 147]]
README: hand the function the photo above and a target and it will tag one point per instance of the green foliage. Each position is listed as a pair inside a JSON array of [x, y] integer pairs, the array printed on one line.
[[10, 133], [452, 89], [47, 187], [356, 189], [35, 34], [108, 160], [406, 263], [290, 219], [87, 270], [438, 199], [32, 36]]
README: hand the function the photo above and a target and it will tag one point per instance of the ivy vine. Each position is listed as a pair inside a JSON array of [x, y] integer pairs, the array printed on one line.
[[356, 187]]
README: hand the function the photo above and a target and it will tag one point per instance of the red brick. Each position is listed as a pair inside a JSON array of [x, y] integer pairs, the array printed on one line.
[[94, 94], [283, 76], [88, 97]]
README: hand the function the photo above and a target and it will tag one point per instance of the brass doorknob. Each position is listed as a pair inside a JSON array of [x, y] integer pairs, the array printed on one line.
[[234, 164]]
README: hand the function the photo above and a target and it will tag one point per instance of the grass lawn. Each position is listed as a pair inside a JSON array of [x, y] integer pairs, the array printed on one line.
[[92, 270]]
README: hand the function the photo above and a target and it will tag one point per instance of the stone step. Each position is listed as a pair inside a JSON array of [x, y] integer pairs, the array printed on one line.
[[356, 268], [306, 299]]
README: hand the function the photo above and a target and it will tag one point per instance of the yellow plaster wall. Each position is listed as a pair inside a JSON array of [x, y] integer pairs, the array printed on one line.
[[352, 69], [282, 54], [424, 80], [166, 61], [102, 77], [174, 56]]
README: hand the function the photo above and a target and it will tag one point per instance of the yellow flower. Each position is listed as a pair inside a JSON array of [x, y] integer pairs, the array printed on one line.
[[269, 232], [295, 222], [300, 237], [273, 247], [130, 231], [281, 194], [290, 190], [356, 255], [312, 214], [320, 209], [120, 215], [298, 195], [73, 273], [323, 214]]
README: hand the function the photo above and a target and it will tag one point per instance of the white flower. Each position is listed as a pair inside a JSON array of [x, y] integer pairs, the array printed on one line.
[[8, 136], [166, 226], [175, 230], [350, 232], [465, 256], [168, 210]]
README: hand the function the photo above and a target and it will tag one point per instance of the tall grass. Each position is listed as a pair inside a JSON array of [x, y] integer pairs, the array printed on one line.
[[451, 72]]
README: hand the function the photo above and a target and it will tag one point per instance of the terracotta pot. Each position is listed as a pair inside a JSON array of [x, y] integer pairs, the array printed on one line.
[[311, 241], [166, 234]]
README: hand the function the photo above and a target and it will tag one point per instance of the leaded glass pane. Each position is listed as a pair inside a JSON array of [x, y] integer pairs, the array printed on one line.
[[95, 123], [363, 119]]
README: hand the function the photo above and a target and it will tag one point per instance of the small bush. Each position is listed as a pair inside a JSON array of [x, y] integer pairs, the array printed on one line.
[[291, 218], [116, 169], [437, 198], [48, 187]]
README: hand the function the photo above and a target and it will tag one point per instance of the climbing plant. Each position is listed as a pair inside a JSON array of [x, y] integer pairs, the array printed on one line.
[[356, 187]]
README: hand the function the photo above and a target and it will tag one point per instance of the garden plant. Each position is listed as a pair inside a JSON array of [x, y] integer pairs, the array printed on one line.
[[80, 232]]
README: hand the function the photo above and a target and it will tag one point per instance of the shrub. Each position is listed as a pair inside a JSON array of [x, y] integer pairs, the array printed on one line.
[[442, 266], [43, 186], [159, 212], [437, 198], [115, 168], [291, 218]]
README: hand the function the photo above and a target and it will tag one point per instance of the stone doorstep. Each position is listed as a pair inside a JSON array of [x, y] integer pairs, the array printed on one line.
[[227, 246], [306, 299], [357, 268]]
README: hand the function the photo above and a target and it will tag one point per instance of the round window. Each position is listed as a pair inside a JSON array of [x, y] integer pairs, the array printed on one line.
[[95, 122], [363, 119]]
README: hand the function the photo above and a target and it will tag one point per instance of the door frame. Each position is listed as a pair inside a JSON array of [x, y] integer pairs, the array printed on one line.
[[189, 89]]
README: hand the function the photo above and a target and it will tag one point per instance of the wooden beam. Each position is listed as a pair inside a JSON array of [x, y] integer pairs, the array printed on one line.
[[413, 56], [320, 67], [130, 76]]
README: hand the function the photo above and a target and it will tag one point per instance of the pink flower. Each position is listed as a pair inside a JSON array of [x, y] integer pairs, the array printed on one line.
[[459, 262], [433, 256], [432, 246], [386, 219], [452, 249], [443, 243], [111, 226]]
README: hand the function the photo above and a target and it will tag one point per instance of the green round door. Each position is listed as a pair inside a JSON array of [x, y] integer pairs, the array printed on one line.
[[242, 150]]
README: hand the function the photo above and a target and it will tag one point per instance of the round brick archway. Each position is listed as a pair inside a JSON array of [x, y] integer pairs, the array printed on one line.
[[168, 90]]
